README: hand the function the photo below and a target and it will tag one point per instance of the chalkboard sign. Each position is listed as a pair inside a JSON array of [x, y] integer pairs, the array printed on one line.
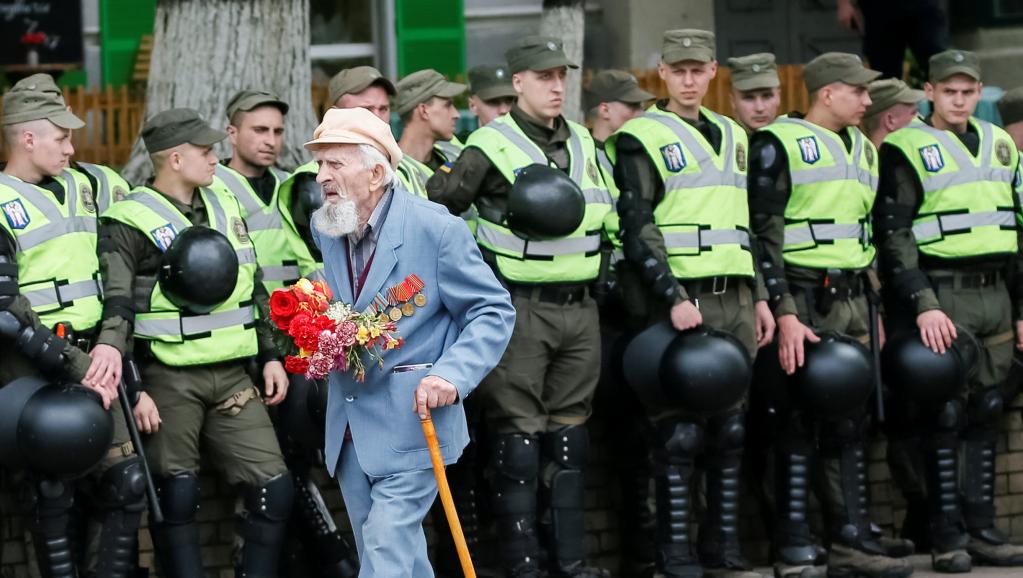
[[40, 33]]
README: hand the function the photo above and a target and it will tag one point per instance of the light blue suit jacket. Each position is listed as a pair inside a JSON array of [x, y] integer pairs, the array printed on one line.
[[463, 331]]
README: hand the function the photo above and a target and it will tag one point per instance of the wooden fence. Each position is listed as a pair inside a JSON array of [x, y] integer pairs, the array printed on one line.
[[114, 116]]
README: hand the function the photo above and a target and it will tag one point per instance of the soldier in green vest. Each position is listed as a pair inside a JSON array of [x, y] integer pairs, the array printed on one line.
[[428, 116], [756, 90], [363, 87], [947, 231], [491, 92], [49, 282], [681, 172], [1010, 108], [893, 105], [812, 185], [193, 358], [538, 399]]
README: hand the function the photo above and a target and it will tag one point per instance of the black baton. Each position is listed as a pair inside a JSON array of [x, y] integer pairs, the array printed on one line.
[[155, 514]]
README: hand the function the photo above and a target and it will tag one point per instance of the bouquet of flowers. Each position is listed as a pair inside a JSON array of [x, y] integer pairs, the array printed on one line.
[[320, 335]]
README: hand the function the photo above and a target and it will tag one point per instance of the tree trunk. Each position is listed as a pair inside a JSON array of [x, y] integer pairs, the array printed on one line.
[[565, 19], [205, 51]]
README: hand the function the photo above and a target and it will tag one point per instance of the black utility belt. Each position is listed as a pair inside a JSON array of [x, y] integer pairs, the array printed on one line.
[[835, 285], [715, 285], [556, 294], [964, 280]]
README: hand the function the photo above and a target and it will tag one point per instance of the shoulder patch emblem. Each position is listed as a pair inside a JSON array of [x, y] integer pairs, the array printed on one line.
[[808, 149], [591, 171], [868, 151], [119, 194], [1002, 151], [674, 158], [740, 157], [164, 236], [85, 196], [932, 159], [240, 232], [17, 216]]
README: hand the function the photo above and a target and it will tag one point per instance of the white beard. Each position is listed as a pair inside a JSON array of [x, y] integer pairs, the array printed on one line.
[[337, 219]]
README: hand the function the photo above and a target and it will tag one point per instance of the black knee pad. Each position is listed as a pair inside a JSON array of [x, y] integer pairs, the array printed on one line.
[[567, 446], [949, 417], [843, 432], [728, 432], [123, 486], [179, 498], [271, 500], [986, 407], [681, 438], [517, 457]]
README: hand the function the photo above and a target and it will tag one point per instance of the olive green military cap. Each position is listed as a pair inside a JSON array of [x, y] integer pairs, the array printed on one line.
[[945, 64], [837, 67], [687, 44], [888, 92], [421, 86], [490, 82], [614, 86], [356, 80], [176, 126], [247, 100], [754, 71], [35, 98], [1010, 106], [537, 53]]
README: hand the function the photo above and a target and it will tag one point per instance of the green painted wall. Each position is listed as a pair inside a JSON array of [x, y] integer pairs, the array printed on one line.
[[122, 23], [430, 35]]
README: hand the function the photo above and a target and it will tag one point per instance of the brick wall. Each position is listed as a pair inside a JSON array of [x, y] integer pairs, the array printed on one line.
[[602, 501]]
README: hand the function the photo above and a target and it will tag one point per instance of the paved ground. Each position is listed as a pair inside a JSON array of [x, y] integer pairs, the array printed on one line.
[[923, 570]]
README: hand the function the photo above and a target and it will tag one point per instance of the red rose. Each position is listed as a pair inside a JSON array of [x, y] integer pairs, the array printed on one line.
[[295, 364], [283, 306]]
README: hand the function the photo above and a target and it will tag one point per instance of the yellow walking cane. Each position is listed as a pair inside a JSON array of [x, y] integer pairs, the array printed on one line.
[[446, 499]]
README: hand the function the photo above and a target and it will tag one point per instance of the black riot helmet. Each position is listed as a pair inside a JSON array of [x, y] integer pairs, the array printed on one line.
[[59, 431], [836, 378], [306, 198], [913, 370], [199, 270], [544, 203]]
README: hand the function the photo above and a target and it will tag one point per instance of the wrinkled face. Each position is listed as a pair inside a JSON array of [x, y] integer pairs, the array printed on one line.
[[954, 98], [48, 146], [687, 80], [618, 113], [488, 110], [441, 115], [194, 164], [847, 102], [373, 99], [756, 108], [259, 136], [541, 93]]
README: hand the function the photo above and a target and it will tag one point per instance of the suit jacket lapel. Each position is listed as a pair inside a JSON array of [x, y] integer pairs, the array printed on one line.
[[386, 256], [338, 249]]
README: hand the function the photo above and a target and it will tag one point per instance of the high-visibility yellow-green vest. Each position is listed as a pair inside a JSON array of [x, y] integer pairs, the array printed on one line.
[[111, 187], [704, 216], [308, 266], [967, 208], [612, 224], [413, 175], [449, 149], [833, 190], [176, 337], [58, 271], [275, 250], [574, 258]]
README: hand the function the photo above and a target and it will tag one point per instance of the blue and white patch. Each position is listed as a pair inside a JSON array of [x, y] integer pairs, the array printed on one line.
[[932, 159], [808, 149], [674, 158], [164, 236], [17, 216]]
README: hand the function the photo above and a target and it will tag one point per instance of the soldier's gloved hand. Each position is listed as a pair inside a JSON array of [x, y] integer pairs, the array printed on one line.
[[105, 369], [765, 325], [276, 381], [685, 315], [147, 416], [791, 335], [936, 330]]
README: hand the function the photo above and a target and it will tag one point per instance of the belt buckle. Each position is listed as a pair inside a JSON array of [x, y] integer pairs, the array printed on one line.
[[714, 286]]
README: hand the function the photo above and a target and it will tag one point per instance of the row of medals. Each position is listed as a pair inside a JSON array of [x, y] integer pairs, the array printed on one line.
[[400, 299]]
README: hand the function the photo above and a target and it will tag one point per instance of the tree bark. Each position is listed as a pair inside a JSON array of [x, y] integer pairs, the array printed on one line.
[[204, 51], [565, 19]]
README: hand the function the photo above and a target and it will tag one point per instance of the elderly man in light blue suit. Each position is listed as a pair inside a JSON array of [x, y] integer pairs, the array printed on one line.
[[375, 235]]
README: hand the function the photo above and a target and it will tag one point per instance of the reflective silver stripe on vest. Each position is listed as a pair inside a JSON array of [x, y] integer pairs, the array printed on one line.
[[968, 172], [605, 162], [194, 325], [842, 169], [959, 222], [171, 215], [104, 196], [553, 248], [521, 142], [709, 175], [281, 272], [62, 294], [810, 233], [246, 256], [706, 238], [42, 200], [257, 215], [448, 149]]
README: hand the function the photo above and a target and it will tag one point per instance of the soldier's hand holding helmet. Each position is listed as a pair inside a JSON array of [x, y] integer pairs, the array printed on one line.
[[791, 335]]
